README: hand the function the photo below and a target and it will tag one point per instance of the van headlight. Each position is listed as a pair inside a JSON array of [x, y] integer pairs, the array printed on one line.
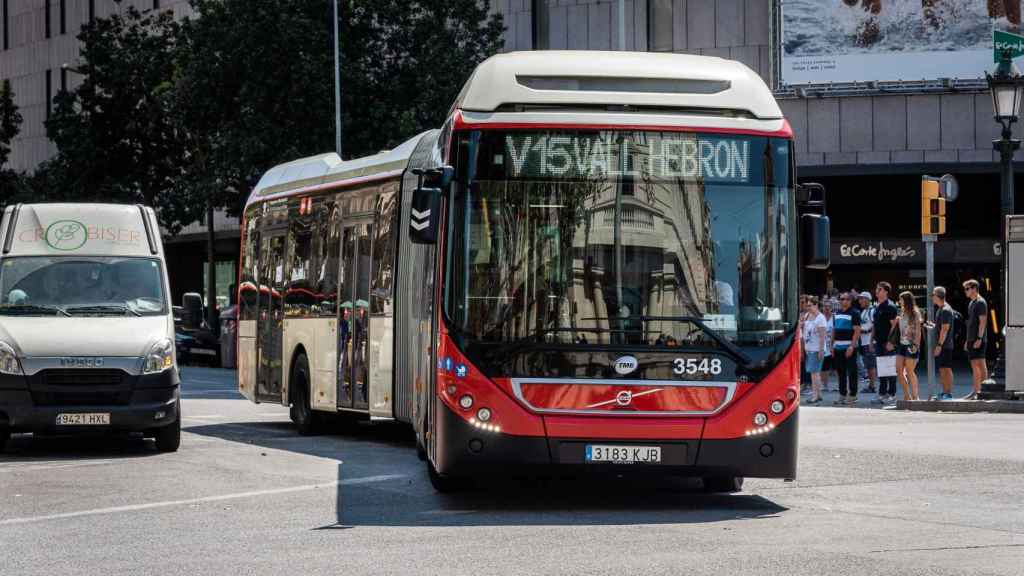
[[9, 360], [159, 358]]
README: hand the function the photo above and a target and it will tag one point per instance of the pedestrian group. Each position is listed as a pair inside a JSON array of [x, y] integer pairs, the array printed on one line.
[[879, 341]]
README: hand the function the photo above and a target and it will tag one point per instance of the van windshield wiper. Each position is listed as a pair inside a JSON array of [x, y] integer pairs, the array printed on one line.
[[32, 309], [96, 308]]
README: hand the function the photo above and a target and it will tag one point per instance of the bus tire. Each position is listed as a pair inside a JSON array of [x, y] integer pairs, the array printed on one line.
[[168, 438], [306, 422], [723, 484], [444, 484]]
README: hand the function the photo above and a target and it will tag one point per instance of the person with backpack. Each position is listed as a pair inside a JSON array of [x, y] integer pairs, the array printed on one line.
[[945, 332]]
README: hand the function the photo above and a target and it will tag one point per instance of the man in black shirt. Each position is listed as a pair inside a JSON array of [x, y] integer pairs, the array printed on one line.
[[977, 336], [885, 322], [943, 350]]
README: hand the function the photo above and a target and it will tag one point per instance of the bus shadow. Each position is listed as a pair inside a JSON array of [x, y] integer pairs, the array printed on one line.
[[382, 483]]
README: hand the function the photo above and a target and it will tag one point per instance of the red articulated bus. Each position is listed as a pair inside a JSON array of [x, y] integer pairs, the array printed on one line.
[[593, 264]]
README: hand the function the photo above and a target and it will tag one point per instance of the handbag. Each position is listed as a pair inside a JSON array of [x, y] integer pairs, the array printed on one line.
[[886, 366]]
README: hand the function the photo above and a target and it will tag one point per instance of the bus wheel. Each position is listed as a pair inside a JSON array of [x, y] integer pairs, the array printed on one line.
[[444, 484], [168, 438], [723, 484], [300, 412]]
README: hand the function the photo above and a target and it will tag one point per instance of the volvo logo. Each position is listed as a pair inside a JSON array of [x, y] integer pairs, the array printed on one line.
[[624, 398], [625, 365], [80, 362]]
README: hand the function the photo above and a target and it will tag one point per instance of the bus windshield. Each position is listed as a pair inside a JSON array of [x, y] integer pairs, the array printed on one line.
[[621, 238], [81, 285]]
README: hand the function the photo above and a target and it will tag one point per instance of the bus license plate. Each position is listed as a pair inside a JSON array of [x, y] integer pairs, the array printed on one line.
[[624, 454], [93, 419]]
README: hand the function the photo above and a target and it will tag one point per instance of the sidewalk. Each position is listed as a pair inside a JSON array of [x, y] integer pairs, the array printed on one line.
[[961, 388]]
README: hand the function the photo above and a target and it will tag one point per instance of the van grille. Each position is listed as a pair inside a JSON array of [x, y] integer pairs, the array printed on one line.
[[81, 387], [82, 377]]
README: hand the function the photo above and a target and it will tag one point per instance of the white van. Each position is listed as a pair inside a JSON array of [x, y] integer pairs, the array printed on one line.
[[86, 329]]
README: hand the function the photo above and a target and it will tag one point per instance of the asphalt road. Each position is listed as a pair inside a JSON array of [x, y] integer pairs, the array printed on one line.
[[879, 493]]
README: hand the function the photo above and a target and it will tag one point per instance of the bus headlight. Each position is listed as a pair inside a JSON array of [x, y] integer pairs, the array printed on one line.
[[760, 419], [159, 358], [9, 363]]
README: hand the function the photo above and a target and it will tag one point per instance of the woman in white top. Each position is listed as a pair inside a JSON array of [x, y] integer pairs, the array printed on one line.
[[813, 334]]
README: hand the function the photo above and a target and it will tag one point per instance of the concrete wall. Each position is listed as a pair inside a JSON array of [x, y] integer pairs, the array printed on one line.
[[30, 54], [875, 133]]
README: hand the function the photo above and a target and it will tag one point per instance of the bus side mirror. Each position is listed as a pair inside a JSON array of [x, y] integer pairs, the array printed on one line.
[[426, 203], [816, 241]]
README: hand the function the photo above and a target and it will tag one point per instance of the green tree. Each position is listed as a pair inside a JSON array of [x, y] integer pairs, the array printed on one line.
[[114, 132], [256, 84], [10, 121]]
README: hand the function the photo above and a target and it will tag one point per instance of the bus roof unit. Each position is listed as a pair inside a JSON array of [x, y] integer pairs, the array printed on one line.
[[329, 170], [622, 80]]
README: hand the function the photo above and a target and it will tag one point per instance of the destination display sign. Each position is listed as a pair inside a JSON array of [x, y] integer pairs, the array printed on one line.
[[643, 155]]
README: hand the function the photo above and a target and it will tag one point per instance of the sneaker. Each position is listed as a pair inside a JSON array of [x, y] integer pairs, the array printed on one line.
[[851, 400], [971, 396], [945, 396], [841, 401], [814, 400]]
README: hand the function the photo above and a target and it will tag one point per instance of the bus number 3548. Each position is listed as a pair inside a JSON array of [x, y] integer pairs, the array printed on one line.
[[692, 366]]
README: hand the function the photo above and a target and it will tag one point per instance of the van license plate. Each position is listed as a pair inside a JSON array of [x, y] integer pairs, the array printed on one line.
[[624, 454], [94, 419]]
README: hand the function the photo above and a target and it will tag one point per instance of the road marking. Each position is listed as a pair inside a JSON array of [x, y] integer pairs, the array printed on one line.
[[34, 467], [203, 500]]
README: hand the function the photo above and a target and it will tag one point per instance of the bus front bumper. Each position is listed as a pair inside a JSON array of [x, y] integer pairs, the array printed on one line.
[[149, 401], [469, 451]]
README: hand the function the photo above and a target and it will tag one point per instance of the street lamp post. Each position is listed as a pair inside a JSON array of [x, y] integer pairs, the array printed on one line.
[[1007, 87]]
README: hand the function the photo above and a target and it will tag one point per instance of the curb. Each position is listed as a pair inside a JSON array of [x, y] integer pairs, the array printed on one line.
[[992, 406]]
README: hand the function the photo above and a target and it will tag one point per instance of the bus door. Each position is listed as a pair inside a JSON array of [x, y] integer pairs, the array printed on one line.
[[354, 317], [270, 320]]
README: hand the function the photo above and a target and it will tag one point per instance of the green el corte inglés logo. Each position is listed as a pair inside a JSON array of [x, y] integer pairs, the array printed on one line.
[[1006, 41]]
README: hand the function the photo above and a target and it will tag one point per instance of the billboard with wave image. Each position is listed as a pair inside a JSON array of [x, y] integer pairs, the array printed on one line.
[[826, 41]]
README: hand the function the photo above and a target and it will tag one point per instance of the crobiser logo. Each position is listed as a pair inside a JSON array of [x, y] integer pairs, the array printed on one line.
[[66, 235]]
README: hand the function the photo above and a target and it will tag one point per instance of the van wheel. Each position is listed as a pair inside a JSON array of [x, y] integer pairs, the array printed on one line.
[[168, 438], [723, 484], [306, 422], [444, 484]]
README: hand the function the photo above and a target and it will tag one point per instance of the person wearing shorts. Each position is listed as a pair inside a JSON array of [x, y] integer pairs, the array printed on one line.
[[977, 336], [813, 332], [867, 349], [943, 351]]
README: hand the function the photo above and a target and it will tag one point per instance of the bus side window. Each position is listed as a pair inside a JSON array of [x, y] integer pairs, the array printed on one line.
[[326, 242], [300, 295], [248, 301], [384, 252]]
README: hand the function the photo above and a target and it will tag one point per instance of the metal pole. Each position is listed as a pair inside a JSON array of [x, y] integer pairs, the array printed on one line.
[[929, 250], [622, 25], [337, 85], [1006, 147], [212, 318]]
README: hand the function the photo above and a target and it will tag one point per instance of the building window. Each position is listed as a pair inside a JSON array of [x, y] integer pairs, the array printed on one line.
[[63, 16], [49, 92], [156, 4], [92, 10], [541, 16], [63, 79], [46, 16], [659, 25], [7, 40]]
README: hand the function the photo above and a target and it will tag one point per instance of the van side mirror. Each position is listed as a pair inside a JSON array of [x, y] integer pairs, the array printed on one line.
[[816, 241], [426, 203]]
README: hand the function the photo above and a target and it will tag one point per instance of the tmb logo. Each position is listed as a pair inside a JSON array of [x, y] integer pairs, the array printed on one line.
[[625, 365]]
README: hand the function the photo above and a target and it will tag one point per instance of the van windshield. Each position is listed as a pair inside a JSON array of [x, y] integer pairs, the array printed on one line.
[[81, 286]]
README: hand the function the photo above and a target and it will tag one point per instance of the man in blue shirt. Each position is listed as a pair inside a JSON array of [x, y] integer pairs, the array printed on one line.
[[846, 336]]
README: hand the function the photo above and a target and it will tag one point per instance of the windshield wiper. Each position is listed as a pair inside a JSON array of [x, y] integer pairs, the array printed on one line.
[[32, 308], [733, 349], [103, 308]]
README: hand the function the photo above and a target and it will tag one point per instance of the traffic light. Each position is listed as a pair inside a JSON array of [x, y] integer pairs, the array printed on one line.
[[933, 208]]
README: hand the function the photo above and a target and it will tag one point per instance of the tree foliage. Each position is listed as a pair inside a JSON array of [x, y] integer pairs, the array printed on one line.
[[10, 121], [114, 132], [182, 115]]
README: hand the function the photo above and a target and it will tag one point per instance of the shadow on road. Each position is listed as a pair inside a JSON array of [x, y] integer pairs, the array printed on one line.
[[404, 496], [82, 446]]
